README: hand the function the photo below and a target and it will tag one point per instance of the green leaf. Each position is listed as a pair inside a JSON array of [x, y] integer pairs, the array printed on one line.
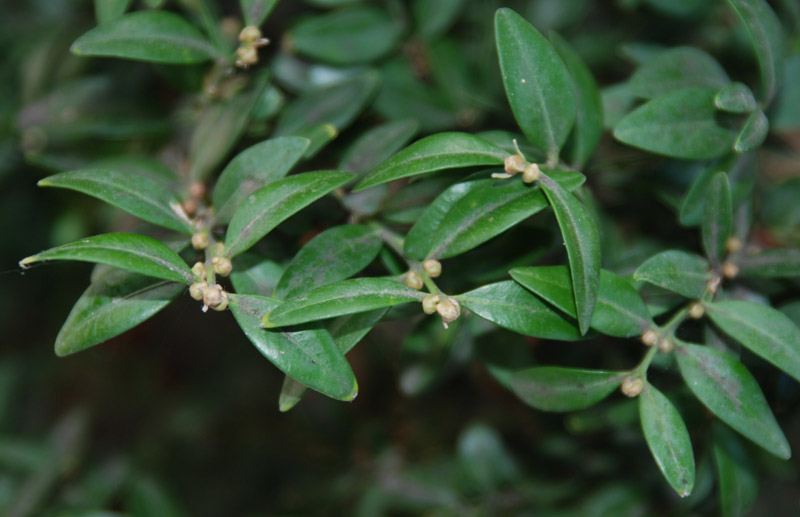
[[620, 310], [753, 133], [319, 136], [551, 388], [766, 34], [667, 439], [717, 217], [157, 36], [107, 10], [737, 479], [681, 124], [677, 69], [377, 145], [115, 302], [253, 274], [589, 107], [269, 206], [433, 18], [309, 355], [128, 251], [693, 204], [735, 97], [435, 153], [728, 389], [256, 11], [765, 331], [254, 168], [512, 307], [538, 85], [333, 255], [145, 198], [583, 247], [677, 271], [777, 263], [346, 297], [346, 37]]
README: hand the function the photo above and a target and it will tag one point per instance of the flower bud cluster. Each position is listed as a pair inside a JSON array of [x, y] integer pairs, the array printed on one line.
[[250, 41], [448, 308]]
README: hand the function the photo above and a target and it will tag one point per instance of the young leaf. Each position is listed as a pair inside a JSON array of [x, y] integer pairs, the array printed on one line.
[[676, 69], [583, 248], [256, 11], [308, 355], [717, 217], [667, 439], [378, 145], [128, 251], [753, 133], [345, 297], [589, 108], [681, 124], [512, 307], [107, 10], [620, 310], [254, 168], [333, 255], [435, 153], [765, 331], [538, 85], [157, 36], [766, 34], [735, 97], [115, 302], [551, 388], [728, 389], [267, 207], [736, 476], [776, 263], [145, 198], [677, 271]]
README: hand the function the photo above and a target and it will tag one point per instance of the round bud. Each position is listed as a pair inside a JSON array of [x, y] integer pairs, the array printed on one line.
[[248, 55], [514, 163], [632, 386], [189, 206], [696, 311], [531, 173], [449, 309], [730, 270], [199, 270], [200, 241], [197, 289], [650, 337], [432, 267], [250, 34], [429, 304], [733, 244], [197, 189], [666, 346], [212, 296], [413, 280], [222, 266], [219, 249], [223, 304]]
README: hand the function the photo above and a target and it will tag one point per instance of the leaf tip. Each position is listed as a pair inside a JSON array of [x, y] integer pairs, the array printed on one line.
[[353, 393], [26, 262], [266, 323], [284, 406]]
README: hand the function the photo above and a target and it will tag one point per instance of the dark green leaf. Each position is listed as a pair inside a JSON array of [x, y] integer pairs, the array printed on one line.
[[254, 168], [319, 135], [753, 133], [116, 301], [620, 310], [107, 10], [145, 198], [435, 153], [728, 389], [434, 17], [333, 255], [157, 36], [779, 263], [267, 207], [736, 476], [308, 355], [551, 388], [668, 439], [717, 217], [377, 145], [253, 274], [735, 97], [677, 271], [764, 330], [681, 124], [693, 204], [512, 307], [256, 11], [128, 251], [583, 248], [346, 297], [676, 69], [538, 85]]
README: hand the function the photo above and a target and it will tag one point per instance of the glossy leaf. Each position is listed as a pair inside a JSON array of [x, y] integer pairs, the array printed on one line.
[[552, 388], [378, 145], [620, 310], [667, 439], [346, 297], [537, 83], [510, 306], [765, 331], [309, 355], [107, 10], [677, 271], [115, 302], [676, 69], [333, 255], [766, 34], [753, 133], [736, 475], [435, 153], [157, 36], [128, 251], [777, 263], [583, 248], [735, 97], [253, 274], [681, 124], [254, 168], [269, 206], [717, 217], [728, 389], [256, 11], [136, 194]]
